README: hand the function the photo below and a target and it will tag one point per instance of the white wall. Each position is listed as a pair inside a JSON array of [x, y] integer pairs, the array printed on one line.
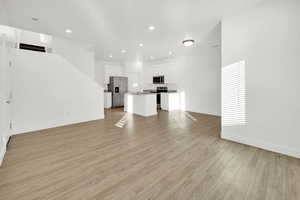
[[49, 91], [134, 70], [81, 55], [3, 13], [17, 35], [4, 96], [112, 69], [29, 37], [99, 72], [199, 78], [267, 39]]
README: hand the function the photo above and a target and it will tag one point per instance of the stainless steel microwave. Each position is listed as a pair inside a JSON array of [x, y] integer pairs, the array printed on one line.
[[158, 79]]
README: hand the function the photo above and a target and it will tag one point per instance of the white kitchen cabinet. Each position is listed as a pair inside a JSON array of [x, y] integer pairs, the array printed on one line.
[[107, 99], [140, 104]]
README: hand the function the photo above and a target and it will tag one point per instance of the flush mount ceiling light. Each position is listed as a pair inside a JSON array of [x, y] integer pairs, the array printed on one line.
[[151, 28], [188, 42], [141, 44], [68, 31], [123, 51], [170, 53], [110, 56]]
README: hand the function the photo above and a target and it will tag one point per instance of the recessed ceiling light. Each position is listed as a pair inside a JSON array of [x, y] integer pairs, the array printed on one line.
[[188, 42], [123, 51], [170, 53], [141, 44], [151, 28], [110, 56], [68, 31]]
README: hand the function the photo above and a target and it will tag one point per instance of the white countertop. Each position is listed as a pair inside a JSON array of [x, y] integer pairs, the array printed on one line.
[[141, 93]]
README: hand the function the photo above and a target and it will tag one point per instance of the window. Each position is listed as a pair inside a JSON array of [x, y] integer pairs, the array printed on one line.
[[233, 94]]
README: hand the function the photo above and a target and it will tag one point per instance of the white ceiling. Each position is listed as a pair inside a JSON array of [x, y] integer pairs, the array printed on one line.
[[112, 25]]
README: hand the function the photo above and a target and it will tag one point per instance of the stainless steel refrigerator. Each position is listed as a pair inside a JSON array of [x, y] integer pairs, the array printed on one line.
[[118, 86]]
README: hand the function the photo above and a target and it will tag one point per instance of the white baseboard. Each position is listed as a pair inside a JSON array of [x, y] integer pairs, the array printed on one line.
[[204, 113], [3, 143], [261, 144], [2, 152], [48, 126]]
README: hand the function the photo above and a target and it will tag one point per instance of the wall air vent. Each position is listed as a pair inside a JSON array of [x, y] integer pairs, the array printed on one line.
[[31, 47]]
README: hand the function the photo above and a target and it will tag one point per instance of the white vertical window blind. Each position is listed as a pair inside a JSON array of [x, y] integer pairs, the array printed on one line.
[[233, 94]]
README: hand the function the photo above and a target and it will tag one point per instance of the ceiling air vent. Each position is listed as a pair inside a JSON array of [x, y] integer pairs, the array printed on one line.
[[31, 47]]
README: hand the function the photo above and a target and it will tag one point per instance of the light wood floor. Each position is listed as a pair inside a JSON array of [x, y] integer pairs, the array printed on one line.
[[170, 156]]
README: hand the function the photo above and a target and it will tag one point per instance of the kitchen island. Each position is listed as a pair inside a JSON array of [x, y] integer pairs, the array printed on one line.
[[171, 101], [140, 103]]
